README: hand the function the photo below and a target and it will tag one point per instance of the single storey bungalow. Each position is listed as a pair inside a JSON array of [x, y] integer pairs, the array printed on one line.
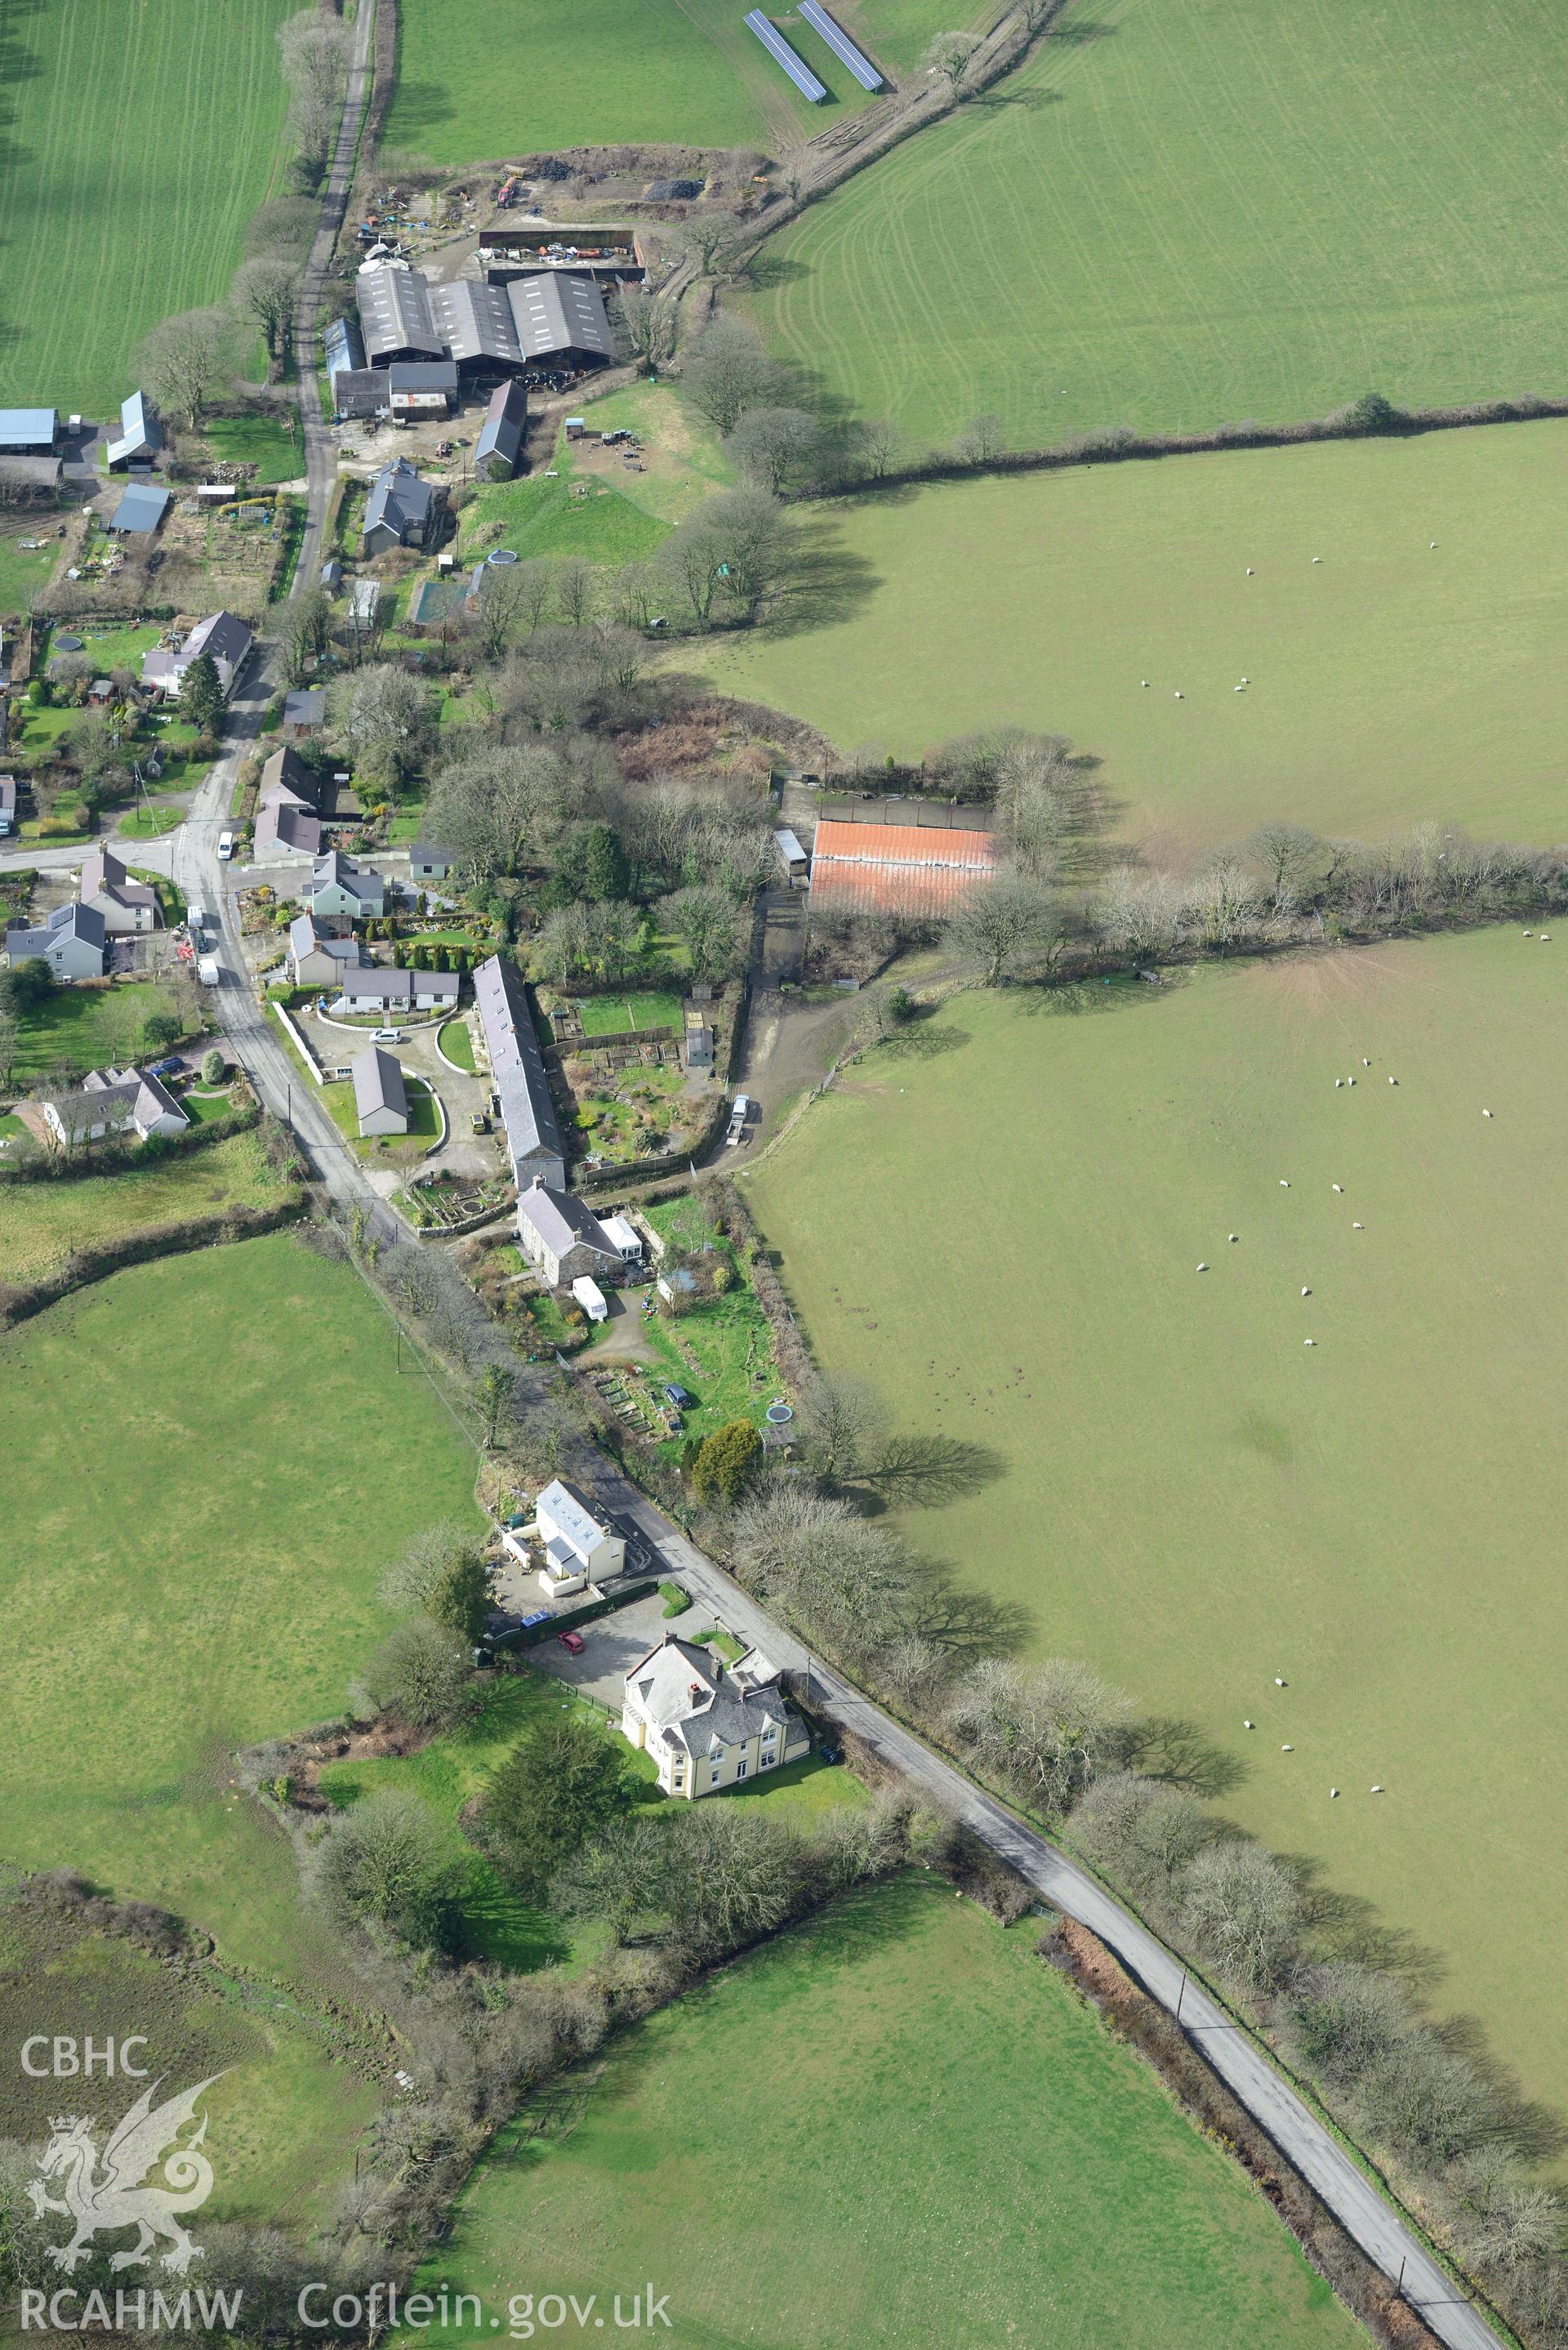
[[338, 886], [380, 1096], [706, 1728], [130, 909], [417, 995], [113, 1101], [428, 861], [70, 942]]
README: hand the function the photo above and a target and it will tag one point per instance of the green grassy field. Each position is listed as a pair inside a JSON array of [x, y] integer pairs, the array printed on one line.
[[1186, 213], [142, 141], [474, 84], [541, 517], [1003, 1235], [683, 459], [22, 572], [955, 2151], [610, 1015], [41, 1223], [1390, 684], [212, 1459], [264, 441], [79, 1023]]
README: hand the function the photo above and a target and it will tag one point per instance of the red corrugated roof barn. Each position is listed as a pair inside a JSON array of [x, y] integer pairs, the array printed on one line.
[[908, 868]]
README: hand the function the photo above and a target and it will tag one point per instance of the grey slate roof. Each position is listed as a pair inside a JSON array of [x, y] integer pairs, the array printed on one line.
[[560, 313], [422, 375], [378, 1083], [304, 707], [74, 921], [280, 823], [336, 871], [517, 1063], [399, 499], [307, 935], [284, 776], [505, 420], [562, 1222]]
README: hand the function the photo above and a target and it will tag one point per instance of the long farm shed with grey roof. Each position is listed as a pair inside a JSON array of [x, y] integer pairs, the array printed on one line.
[[519, 1076], [779, 49], [839, 42]]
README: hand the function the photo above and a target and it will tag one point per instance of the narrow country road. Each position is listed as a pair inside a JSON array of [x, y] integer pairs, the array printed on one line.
[[256, 1041], [1355, 2202]]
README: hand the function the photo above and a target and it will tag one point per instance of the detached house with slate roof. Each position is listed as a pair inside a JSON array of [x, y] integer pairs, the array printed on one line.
[[708, 1729]]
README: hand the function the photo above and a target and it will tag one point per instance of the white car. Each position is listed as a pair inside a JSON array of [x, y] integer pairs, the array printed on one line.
[[226, 845], [387, 1037]]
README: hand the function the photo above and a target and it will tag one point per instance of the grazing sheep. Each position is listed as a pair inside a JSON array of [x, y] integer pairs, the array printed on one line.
[[1378, 1791], [1287, 1750], [1203, 1268], [1337, 1083], [1433, 547], [1239, 688], [1279, 1680], [1358, 1228], [1350, 1081], [1249, 570], [1333, 1792], [1317, 558], [1486, 1113], [1309, 1342], [1306, 1292], [1337, 1187], [1364, 1061], [1247, 1725], [1230, 1236], [1545, 937], [1181, 696], [1144, 680], [1393, 1081], [1284, 1183]]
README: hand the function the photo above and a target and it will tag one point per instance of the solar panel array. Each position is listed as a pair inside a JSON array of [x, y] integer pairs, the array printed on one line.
[[839, 42], [779, 49]]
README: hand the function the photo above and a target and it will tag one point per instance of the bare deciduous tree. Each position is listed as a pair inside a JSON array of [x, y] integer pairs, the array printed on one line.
[[185, 359]]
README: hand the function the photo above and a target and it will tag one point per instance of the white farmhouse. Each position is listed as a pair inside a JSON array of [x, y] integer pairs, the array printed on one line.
[[708, 1729], [578, 1549]]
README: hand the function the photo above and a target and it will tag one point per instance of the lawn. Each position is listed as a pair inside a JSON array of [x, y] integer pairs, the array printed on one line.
[[475, 84], [541, 517], [1389, 684], [264, 441], [150, 823], [715, 1349], [111, 648], [82, 1024], [212, 1459], [955, 2151], [456, 1041], [142, 140], [1186, 213], [41, 1223], [610, 1015], [1002, 1235], [23, 572]]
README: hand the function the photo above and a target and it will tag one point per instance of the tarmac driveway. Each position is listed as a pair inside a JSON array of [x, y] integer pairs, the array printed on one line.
[[611, 1648]]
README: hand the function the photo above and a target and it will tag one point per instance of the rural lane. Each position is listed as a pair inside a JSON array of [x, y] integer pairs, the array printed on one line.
[[1355, 2202], [258, 1045]]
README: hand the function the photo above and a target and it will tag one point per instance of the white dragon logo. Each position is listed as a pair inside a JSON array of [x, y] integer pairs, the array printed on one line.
[[99, 2202]]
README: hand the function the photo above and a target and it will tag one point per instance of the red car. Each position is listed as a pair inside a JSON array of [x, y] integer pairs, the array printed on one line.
[[573, 1643]]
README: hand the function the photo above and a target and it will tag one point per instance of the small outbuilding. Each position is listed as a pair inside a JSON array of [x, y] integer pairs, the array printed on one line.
[[380, 1096], [499, 443]]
